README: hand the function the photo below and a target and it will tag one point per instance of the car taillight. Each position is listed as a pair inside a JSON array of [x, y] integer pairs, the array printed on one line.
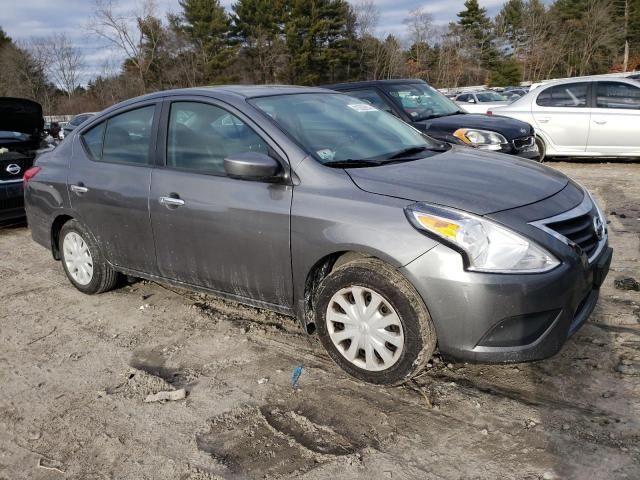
[[30, 173], [489, 112]]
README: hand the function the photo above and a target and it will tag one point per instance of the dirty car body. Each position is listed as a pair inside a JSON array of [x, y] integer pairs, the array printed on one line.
[[312, 204], [21, 127]]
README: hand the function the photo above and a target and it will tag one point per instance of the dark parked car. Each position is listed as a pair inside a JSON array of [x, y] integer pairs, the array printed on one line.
[[21, 129], [76, 121], [428, 110], [315, 204]]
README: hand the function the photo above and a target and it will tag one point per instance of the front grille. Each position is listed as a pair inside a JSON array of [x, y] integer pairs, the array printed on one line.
[[579, 230], [9, 161], [523, 142]]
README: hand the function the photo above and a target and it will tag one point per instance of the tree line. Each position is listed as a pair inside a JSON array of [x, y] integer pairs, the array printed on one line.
[[311, 42]]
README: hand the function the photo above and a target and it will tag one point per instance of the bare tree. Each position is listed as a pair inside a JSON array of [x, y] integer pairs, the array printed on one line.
[[65, 63], [367, 18], [419, 24], [598, 32], [126, 32]]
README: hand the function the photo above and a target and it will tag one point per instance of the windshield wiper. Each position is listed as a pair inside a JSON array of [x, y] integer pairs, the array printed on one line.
[[439, 115], [410, 151], [352, 163]]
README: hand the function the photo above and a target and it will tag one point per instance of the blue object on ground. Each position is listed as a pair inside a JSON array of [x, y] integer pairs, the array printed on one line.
[[296, 376]]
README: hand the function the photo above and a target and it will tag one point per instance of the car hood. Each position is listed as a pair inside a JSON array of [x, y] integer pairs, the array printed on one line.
[[464, 178], [20, 115], [508, 127]]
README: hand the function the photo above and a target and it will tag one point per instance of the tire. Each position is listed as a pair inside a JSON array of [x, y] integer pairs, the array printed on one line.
[[102, 276], [415, 334], [542, 149]]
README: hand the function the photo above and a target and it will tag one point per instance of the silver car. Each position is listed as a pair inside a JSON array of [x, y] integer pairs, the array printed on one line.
[[384, 241], [582, 118], [481, 101]]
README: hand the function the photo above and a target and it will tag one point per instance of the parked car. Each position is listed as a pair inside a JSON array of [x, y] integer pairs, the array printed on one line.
[[480, 102], [21, 130], [315, 204], [76, 121], [582, 118], [428, 110]]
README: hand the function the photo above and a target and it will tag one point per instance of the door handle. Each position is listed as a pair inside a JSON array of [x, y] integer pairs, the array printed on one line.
[[171, 201], [543, 119], [600, 122], [79, 189]]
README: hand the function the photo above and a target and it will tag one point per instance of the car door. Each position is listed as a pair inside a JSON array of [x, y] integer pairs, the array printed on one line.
[[561, 115], [615, 119], [108, 181], [211, 230]]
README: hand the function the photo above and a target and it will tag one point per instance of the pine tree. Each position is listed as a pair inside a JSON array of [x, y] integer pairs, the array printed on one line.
[[510, 23], [478, 28], [206, 25], [506, 73], [258, 26]]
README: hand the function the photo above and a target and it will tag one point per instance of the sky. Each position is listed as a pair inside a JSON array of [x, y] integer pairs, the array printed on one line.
[[25, 19]]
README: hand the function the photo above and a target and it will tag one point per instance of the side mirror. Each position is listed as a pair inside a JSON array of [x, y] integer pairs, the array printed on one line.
[[251, 166]]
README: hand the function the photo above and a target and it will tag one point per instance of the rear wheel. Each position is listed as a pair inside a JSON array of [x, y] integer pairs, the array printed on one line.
[[82, 260], [542, 149], [373, 323]]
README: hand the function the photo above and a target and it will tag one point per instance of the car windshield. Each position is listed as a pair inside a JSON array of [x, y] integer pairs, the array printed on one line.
[[336, 128], [484, 97], [420, 101]]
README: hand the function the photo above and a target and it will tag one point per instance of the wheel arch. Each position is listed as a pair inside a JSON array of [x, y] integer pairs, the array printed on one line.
[[56, 226], [320, 269]]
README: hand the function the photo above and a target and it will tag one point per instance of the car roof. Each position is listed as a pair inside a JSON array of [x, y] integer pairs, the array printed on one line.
[[372, 83], [593, 78], [222, 91], [246, 91]]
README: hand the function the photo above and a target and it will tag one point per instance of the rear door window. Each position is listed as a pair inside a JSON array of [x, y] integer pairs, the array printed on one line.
[[128, 136], [617, 95], [93, 140], [123, 138], [567, 95]]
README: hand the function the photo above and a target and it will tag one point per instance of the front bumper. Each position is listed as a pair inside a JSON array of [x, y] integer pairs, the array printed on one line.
[[522, 147], [483, 317], [11, 201]]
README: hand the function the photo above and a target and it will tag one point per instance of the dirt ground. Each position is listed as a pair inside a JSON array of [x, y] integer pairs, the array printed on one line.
[[75, 371]]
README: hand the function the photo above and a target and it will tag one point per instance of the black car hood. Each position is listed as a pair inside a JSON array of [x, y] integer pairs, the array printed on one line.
[[464, 178], [20, 115], [508, 127]]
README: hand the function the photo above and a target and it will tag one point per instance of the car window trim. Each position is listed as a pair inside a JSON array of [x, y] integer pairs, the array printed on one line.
[[106, 118], [163, 128]]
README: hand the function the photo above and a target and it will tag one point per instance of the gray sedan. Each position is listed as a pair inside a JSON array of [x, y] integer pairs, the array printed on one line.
[[314, 204]]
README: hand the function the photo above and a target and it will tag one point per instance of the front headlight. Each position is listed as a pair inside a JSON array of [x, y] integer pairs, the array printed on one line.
[[487, 246], [484, 139]]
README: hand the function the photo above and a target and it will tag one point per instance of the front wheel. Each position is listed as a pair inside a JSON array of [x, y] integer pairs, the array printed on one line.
[[373, 323], [542, 149], [82, 260]]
